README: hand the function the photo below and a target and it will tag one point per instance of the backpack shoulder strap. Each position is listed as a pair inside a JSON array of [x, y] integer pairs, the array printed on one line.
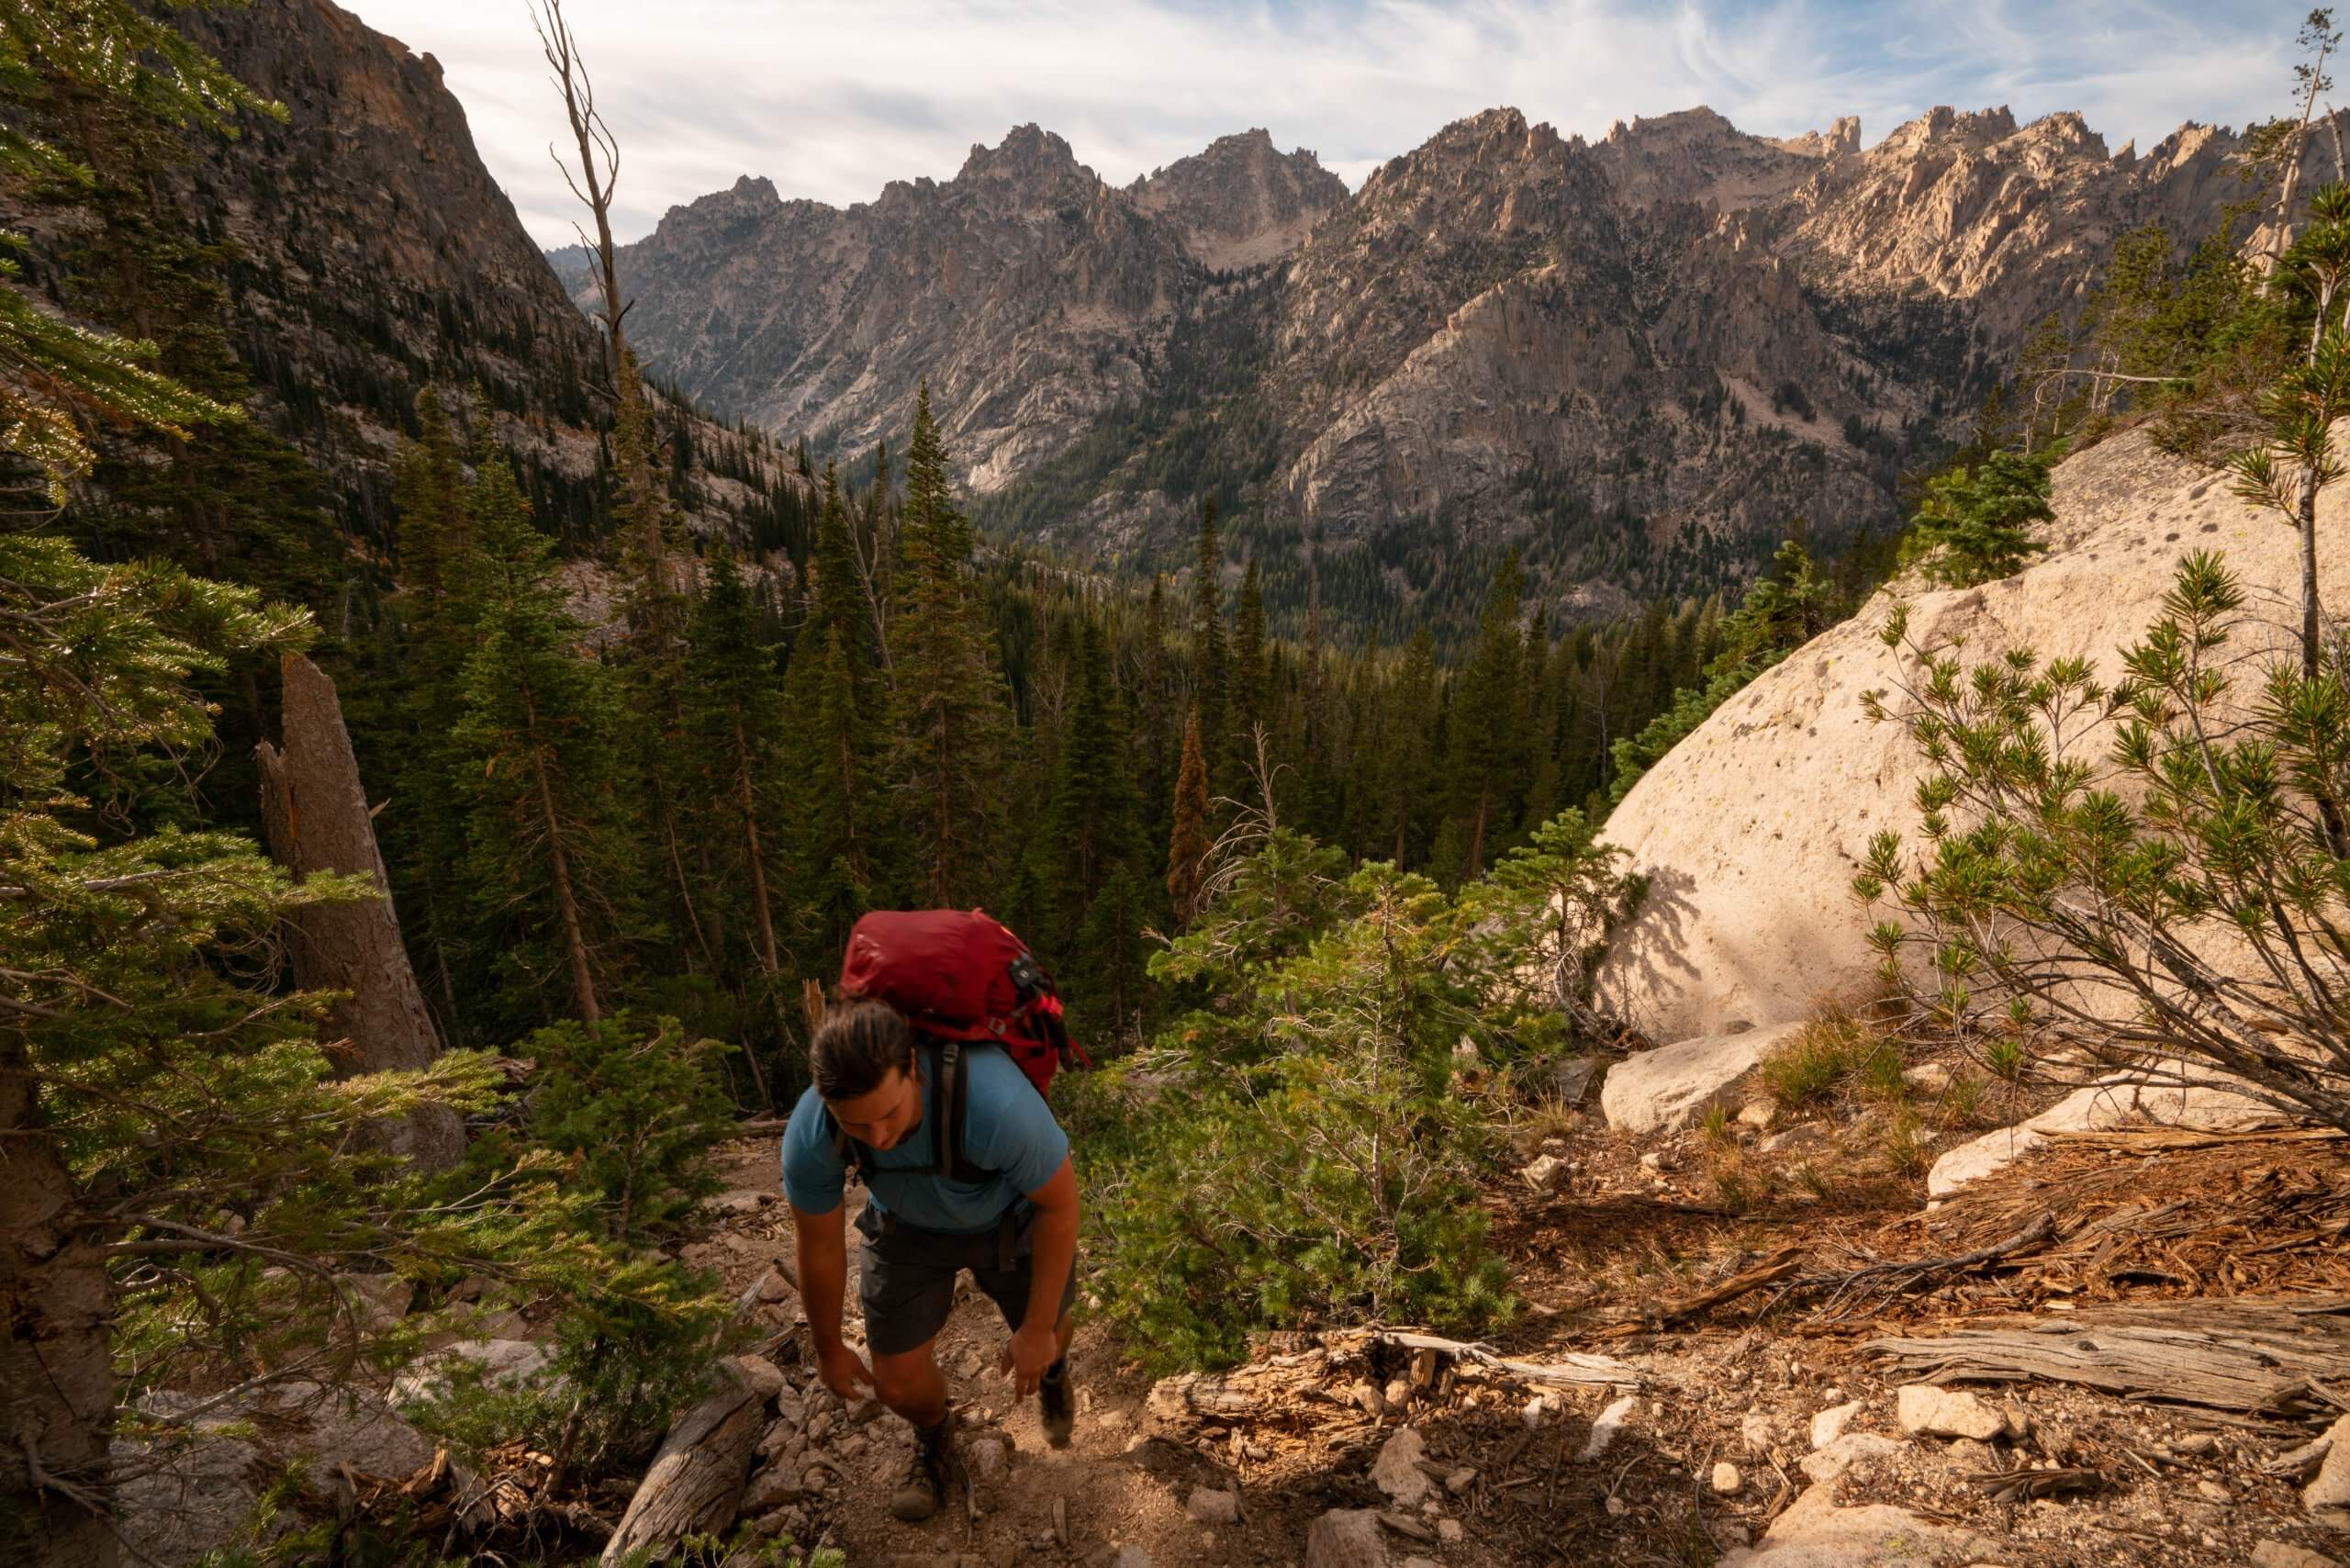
[[847, 1149], [953, 1104]]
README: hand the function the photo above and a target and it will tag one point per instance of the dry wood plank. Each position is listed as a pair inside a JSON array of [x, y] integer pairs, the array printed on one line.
[[2257, 1357], [696, 1484]]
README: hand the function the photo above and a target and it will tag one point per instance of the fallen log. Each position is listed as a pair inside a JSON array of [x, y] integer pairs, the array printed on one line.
[[2172, 1141], [1244, 1393], [696, 1484], [2257, 1357]]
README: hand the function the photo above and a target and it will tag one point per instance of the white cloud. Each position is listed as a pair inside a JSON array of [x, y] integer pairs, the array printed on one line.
[[832, 99]]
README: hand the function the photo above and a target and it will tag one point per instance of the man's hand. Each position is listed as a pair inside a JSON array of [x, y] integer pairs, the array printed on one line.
[[1031, 1354], [842, 1369]]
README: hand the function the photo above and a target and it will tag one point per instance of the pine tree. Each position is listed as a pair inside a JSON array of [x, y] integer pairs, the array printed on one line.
[[837, 602], [423, 834], [538, 753], [733, 714], [1187, 847], [1246, 704], [951, 717], [1408, 745], [1208, 672], [1484, 728], [1155, 704], [830, 764], [149, 1080], [1094, 841]]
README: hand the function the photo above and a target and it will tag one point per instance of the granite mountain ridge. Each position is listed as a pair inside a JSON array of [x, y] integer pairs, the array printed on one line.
[[1635, 359]]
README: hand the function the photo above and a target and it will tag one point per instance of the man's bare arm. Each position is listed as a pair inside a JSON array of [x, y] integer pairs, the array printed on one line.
[[1052, 1255], [821, 1241]]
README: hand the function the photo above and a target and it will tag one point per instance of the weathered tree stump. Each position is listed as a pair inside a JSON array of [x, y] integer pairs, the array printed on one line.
[[697, 1481], [315, 816]]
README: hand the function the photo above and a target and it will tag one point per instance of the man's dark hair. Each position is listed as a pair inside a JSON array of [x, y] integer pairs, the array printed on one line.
[[857, 1046]]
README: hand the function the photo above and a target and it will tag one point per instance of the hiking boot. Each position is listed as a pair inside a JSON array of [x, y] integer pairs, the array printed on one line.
[[928, 1473], [1058, 1403]]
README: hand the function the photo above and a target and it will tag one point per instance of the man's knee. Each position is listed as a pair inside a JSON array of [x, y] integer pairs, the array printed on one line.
[[908, 1378]]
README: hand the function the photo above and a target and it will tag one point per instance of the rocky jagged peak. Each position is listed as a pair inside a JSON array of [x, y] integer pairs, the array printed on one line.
[[750, 200], [1945, 130], [1496, 140], [2064, 132], [1241, 201], [1026, 152], [2187, 144], [1681, 125], [1696, 155], [1841, 140]]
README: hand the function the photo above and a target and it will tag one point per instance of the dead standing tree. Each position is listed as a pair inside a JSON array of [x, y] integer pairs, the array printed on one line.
[[599, 166]]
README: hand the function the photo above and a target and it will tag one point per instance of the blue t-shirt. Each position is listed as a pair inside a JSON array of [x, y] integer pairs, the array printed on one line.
[[1008, 1130]]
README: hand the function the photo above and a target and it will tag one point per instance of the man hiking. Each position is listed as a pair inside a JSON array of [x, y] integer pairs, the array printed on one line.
[[999, 1199]]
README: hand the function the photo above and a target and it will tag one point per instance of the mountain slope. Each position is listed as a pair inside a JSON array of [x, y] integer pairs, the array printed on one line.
[[376, 257]]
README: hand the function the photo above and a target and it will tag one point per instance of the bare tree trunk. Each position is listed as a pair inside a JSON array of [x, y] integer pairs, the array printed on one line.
[[770, 964], [56, 1379], [600, 163], [758, 860], [2293, 167], [314, 809], [575, 935]]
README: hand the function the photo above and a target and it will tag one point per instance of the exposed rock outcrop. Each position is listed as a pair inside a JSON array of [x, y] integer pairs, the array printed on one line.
[[1752, 829], [1242, 202]]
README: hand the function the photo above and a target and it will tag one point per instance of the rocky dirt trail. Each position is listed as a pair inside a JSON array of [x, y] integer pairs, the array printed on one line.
[[1695, 1381]]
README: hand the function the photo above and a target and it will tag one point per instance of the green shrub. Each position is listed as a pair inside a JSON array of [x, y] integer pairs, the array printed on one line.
[[1328, 1176], [1814, 1066], [624, 1114], [2162, 865], [636, 1107], [1975, 524]]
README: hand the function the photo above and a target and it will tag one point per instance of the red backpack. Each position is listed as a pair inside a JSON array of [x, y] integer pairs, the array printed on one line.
[[959, 978]]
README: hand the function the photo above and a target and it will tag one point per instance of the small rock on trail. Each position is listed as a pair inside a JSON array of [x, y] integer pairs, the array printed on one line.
[[1346, 1537], [1924, 1410]]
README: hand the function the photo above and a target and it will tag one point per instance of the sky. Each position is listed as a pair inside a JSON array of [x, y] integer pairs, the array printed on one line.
[[832, 99]]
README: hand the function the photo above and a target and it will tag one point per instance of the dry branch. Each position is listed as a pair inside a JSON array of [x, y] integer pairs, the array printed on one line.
[[1777, 1267]]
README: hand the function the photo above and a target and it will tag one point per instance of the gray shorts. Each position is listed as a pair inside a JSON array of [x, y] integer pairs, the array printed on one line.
[[906, 1277]]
